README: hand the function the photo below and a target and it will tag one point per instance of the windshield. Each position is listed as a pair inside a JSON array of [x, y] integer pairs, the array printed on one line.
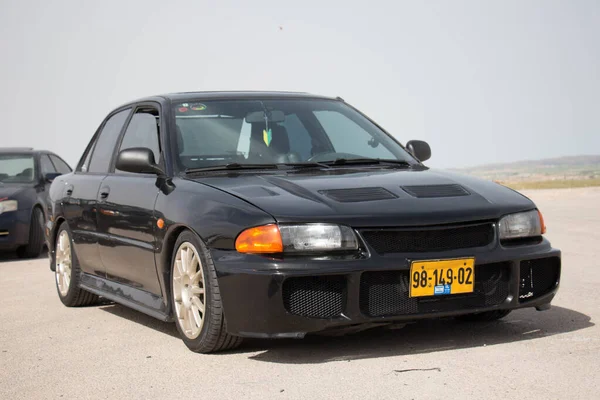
[[16, 168], [295, 131]]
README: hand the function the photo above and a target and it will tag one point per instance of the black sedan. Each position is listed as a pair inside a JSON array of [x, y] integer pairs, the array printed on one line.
[[276, 215], [25, 177]]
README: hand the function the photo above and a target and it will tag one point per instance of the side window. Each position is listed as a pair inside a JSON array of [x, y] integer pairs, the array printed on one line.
[[105, 145], [300, 140], [84, 163], [142, 131], [348, 137], [61, 166], [46, 165]]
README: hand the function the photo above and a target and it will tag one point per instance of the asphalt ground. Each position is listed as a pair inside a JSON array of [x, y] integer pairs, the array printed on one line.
[[109, 351]]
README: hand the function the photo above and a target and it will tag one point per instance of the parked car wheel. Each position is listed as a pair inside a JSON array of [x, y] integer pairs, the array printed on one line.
[[196, 298], [68, 274], [485, 316], [34, 248]]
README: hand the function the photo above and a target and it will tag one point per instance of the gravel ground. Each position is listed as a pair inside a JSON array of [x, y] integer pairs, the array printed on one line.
[[109, 351]]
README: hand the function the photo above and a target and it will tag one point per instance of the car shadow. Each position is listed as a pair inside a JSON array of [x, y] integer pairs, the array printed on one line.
[[138, 317], [425, 336], [11, 256]]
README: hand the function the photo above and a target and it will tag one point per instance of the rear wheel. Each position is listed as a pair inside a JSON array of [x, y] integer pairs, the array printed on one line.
[[196, 299], [484, 316], [67, 272], [35, 246]]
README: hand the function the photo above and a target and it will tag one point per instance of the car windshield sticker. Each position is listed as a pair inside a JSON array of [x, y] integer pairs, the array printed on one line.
[[183, 109], [267, 136], [198, 107]]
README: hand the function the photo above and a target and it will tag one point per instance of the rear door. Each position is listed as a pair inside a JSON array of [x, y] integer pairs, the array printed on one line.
[[126, 201], [81, 192]]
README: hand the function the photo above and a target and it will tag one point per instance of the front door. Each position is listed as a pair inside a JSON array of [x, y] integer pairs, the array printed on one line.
[[126, 210], [80, 193]]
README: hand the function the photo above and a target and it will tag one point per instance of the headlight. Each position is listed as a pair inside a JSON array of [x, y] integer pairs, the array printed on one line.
[[8, 205], [521, 225], [296, 239]]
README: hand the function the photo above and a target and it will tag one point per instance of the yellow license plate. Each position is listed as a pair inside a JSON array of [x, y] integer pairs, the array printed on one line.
[[442, 277]]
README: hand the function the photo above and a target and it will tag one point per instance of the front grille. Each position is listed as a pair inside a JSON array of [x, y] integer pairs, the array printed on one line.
[[315, 297], [538, 277], [419, 240], [386, 293]]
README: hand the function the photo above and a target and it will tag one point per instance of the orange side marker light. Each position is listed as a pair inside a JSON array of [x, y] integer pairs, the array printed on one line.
[[542, 223], [160, 223], [260, 239]]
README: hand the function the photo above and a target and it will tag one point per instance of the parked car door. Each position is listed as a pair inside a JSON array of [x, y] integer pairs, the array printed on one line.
[[81, 192], [126, 201]]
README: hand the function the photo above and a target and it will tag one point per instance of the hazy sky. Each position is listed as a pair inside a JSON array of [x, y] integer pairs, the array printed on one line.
[[481, 81]]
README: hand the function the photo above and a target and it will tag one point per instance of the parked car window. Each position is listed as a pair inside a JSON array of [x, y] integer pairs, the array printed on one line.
[[46, 165], [84, 163], [142, 131], [347, 136], [17, 168], [61, 166], [300, 140], [221, 132], [105, 146]]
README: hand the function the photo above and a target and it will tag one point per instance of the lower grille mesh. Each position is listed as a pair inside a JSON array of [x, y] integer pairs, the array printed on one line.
[[315, 297], [386, 293], [538, 277]]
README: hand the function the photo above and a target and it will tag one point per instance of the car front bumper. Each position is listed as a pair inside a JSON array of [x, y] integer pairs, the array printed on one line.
[[14, 229], [268, 298]]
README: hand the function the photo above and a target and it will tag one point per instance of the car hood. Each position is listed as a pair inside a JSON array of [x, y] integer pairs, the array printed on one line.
[[373, 197], [10, 191]]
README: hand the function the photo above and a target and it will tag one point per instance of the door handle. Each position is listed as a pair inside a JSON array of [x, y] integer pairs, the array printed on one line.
[[104, 192], [69, 190]]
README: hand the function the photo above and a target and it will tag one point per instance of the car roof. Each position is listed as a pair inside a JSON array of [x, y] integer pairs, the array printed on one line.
[[23, 150], [230, 95]]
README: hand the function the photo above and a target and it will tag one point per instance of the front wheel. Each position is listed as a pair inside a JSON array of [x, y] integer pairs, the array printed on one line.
[[486, 316], [196, 298], [35, 246]]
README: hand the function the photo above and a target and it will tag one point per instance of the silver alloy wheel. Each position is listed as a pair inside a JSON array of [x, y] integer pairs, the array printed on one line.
[[188, 290], [63, 263]]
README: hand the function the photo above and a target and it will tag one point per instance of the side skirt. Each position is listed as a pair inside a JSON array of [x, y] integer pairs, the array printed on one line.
[[131, 297]]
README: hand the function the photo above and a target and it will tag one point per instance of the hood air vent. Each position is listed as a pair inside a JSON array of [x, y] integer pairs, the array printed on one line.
[[357, 195], [436, 191]]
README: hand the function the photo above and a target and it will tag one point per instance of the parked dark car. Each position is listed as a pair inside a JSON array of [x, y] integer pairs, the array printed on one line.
[[25, 177], [275, 215]]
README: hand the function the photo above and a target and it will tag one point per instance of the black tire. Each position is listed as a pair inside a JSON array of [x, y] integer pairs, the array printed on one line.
[[486, 316], [213, 336], [75, 296], [35, 246]]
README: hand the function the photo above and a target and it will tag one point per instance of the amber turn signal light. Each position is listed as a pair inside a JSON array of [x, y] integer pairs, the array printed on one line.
[[260, 239], [542, 223]]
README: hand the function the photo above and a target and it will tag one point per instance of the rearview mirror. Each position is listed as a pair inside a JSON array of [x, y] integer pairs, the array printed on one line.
[[49, 177], [419, 149], [259, 116], [139, 160]]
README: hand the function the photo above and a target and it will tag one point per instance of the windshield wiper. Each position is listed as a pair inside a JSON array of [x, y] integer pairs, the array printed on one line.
[[231, 167], [367, 161], [306, 165]]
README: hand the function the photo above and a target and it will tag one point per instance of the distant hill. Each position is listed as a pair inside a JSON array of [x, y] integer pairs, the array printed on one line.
[[584, 167]]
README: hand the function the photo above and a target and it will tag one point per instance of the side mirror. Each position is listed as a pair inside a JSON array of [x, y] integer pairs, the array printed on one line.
[[139, 160], [419, 149], [51, 176]]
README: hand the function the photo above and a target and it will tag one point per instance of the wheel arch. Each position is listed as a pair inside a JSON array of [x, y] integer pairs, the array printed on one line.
[[165, 256]]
